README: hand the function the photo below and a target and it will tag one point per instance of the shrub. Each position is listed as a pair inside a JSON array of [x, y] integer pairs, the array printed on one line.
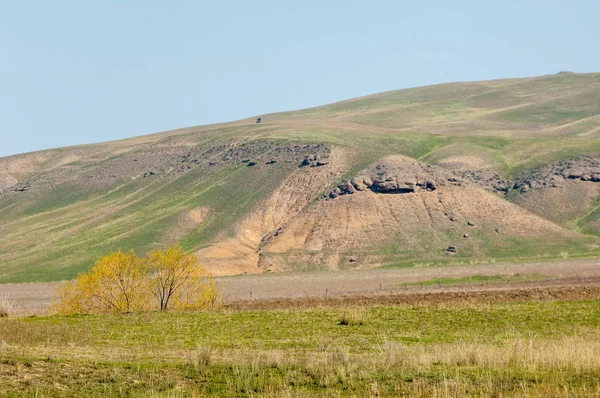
[[122, 282], [116, 283]]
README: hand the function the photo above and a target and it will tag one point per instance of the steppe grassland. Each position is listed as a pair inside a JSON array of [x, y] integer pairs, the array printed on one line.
[[517, 349]]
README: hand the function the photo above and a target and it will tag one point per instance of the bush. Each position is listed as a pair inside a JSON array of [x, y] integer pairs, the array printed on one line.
[[122, 282]]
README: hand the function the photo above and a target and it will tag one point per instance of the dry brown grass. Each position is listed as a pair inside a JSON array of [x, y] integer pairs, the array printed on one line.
[[7, 306], [501, 370]]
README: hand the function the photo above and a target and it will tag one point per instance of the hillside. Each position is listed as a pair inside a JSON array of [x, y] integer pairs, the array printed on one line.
[[499, 170]]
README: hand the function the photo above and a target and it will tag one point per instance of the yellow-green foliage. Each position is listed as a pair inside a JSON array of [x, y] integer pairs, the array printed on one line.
[[176, 280], [123, 282]]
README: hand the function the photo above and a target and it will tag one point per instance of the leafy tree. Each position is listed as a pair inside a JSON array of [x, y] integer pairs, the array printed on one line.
[[116, 283], [177, 281], [122, 282]]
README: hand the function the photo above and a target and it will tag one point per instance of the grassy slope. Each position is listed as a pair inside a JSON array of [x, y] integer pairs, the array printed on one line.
[[513, 125]]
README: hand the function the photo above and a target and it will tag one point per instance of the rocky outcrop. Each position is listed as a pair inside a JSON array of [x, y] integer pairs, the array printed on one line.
[[314, 161], [584, 168], [396, 175]]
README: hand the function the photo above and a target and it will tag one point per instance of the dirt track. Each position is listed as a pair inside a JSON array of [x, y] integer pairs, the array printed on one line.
[[568, 279]]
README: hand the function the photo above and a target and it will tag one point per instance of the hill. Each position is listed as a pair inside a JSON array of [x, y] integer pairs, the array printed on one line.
[[499, 170]]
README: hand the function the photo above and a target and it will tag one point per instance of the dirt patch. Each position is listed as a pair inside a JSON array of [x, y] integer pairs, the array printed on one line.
[[241, 254], [571, 289]]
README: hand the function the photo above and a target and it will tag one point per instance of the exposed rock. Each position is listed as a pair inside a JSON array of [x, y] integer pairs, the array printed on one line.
[[321, 163], [357, 184], [22, 187], [346, 187], [391, 187], [335, 193], [305, 162], [430, 185], [395, 175], [451, 250], [550, 176], [271, 161], [251, 163]]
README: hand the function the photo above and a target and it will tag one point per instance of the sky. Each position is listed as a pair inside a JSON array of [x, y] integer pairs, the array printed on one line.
[[74, 72]]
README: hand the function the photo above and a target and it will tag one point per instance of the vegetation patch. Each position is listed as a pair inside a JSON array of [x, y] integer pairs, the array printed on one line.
[[479, 279], [529, 349]]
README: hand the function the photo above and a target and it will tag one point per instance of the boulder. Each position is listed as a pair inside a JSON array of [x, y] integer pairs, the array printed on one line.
[[451, 249], [346, 188], [251, 163], [358, 185], [586, 177], [466, 236], [501, 188], [271, 161], [367, 181], [321, 163], [335, 193], [470, 224], [596, 177]]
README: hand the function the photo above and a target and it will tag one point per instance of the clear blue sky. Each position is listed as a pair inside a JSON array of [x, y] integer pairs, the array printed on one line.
[[75, 72]]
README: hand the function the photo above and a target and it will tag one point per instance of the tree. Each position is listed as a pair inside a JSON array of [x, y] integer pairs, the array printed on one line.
[[177, 280], [116, 283], [122, 282]]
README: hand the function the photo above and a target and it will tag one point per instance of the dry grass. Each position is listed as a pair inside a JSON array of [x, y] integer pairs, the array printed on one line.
[[7, 306], [442, 370]]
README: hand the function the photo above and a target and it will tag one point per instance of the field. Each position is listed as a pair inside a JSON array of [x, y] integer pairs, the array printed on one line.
[[450, 331], [538, 347]]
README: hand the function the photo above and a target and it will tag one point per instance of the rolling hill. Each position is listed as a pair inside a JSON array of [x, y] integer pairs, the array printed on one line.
[[493, 170]]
